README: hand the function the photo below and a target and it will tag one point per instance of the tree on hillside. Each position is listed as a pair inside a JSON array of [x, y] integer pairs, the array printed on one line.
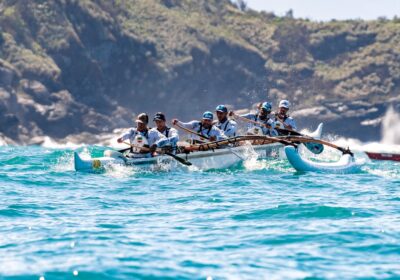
[[241, 4]]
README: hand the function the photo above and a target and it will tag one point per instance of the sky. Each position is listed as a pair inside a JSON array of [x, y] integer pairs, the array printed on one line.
[[323, 10]]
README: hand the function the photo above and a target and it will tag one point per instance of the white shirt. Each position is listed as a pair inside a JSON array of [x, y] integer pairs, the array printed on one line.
[[287, 121], [171, 137], [151, 135], [196, 126], [268, 121], [228, 127]]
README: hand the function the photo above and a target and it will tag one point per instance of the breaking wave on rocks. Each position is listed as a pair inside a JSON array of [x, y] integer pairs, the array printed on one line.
[[391, 127]]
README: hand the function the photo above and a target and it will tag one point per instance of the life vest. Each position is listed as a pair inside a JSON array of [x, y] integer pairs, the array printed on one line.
[[257, 117], [278, 122], [201, 129], [226, 125], [167, 129], [140, 141], [228, 122]]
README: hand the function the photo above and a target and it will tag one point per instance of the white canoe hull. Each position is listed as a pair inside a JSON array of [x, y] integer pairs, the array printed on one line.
[[205, 160]]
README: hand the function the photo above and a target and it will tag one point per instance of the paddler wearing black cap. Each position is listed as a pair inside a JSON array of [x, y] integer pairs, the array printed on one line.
[[170, 133], [204, 127], [226, 125], [142, 136]]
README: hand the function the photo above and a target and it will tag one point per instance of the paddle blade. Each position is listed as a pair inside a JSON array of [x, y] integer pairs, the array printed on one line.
[[181, 160], [124, 150]]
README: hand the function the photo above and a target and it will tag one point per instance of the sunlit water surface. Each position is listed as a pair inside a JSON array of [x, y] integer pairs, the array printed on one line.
[[259, 220]]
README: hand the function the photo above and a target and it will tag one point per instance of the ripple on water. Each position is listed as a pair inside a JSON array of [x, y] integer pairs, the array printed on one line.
[[304, 211], [11, 212], [248, 222]]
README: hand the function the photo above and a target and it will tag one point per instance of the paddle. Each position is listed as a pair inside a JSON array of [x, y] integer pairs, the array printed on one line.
[[236, 139], [179, 159], [207, 138], [322, 142], [191, 131], [313, 147], [287, 140], [124, 150]]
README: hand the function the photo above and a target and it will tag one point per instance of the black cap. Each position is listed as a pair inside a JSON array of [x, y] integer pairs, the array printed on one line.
[[159, 117]]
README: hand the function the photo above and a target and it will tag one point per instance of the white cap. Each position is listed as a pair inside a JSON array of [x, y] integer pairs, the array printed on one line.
[[284, 104]]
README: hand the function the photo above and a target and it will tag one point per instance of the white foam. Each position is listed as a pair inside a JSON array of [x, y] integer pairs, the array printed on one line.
[[391, 127], [119, 171], [3, 142], [64, 163], [377, 147], [50, 143], [78, 141], [251, 156]]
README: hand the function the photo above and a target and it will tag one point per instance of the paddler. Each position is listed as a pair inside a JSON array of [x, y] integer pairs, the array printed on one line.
[[264, 117], [204, 127], [142, 136], [282, 119], [171, 134], [226, 125]]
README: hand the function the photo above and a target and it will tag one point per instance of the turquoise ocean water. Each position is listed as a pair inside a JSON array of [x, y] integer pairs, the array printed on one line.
[[263, 221]]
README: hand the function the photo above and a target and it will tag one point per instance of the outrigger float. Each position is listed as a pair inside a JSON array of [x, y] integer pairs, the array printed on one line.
[[226, 153], [346, 164]]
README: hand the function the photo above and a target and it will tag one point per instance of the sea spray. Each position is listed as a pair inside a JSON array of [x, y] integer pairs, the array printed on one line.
[[391, 127], [390, 140]]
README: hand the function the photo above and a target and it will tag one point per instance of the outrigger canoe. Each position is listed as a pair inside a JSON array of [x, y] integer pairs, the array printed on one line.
[[205, 160], [211, 155]]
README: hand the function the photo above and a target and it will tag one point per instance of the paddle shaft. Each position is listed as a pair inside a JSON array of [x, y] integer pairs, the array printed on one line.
[[217, 144], [312, 140], [145, 149], [191, 131], [124, 150]]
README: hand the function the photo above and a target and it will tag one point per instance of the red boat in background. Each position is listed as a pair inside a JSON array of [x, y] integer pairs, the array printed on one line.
[[383, 156]]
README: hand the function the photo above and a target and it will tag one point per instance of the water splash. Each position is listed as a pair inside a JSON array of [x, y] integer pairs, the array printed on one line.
[[251, 156], [119, 171], [3, 142], [391, 127], [64, 163], [358, 146], [50, 143]]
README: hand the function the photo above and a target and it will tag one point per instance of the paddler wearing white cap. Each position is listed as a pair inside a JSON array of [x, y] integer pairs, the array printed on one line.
[[141, 135], [204, 127], [282, 118]]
